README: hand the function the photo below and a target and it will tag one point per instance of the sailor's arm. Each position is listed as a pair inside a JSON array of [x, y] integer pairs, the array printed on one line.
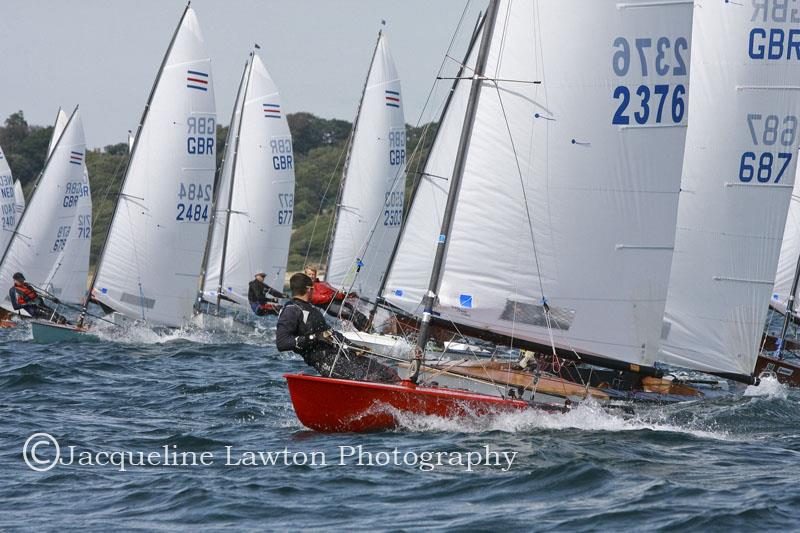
[[287, 334]]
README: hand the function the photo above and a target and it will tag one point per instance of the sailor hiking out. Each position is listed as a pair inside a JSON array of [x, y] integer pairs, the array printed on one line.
[[24, 297], [302, 329], [335, 302]]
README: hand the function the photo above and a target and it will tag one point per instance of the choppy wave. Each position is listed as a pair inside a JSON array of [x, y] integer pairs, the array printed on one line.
[[730, 463]]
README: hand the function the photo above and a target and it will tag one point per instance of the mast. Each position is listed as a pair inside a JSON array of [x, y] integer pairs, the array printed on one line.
[[349, 152], [455, 184], [36, 186], [230, 191], [130, 159], [217, 192], [789, 308], [473, 39]]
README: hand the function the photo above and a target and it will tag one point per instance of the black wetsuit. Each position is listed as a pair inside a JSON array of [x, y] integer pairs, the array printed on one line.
[[258, 294], [298, 327]]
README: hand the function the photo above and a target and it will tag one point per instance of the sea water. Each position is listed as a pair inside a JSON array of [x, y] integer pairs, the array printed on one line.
[[196, 430]]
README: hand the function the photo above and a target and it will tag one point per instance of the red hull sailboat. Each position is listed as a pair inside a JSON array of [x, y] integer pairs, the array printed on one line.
[[337, 405]]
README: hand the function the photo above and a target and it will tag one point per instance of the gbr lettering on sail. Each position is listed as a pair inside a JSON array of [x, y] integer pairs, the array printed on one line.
[[771, 43], [194, 199]]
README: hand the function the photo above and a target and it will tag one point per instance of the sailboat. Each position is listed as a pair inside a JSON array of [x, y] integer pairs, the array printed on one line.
[[369, 210], [545, 216], [69, 274], [737, 183], [148, 269], [254, 203], [47, 222]]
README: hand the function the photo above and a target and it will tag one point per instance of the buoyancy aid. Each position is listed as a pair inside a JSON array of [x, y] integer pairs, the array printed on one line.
[[25, 294]]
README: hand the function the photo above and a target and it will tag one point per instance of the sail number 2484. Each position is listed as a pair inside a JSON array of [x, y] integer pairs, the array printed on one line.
[[652, 58], [194, 200]]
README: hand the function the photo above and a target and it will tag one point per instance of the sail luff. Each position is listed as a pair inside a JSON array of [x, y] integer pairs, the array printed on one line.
[[458, 173], [131, 154]]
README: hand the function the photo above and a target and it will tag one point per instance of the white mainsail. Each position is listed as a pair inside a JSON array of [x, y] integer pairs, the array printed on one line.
[[260, 170], [150, 265], [68, 277], [738, 174], [569, 191], [790, 251], [8, 202], [48, 221], [370, 212]]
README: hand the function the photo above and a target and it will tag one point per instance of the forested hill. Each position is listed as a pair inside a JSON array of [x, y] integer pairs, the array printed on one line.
[[319, 146]]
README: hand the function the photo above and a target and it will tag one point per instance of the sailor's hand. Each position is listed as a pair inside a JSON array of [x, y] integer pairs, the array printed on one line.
[[326, 335]]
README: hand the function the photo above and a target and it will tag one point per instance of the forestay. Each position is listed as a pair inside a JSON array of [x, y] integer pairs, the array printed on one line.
[[370, 211], [151, 263], [68, 277], [47, 223], [738, 175], [262, 199], [569, 193], [8, 202]]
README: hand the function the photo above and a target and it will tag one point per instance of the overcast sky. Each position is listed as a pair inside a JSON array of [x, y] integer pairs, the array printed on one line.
[[104, 54]]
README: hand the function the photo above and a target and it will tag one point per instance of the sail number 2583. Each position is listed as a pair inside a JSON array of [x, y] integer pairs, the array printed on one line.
[[194, 200], [655, 103]]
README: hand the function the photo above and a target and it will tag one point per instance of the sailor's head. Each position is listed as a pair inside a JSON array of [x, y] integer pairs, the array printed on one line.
[[260, 276], [301, 285], [19, 279], [311, 272]]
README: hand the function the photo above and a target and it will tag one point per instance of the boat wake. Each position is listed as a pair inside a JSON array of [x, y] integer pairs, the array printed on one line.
[[769, 388], [142, 334], [586, 416]]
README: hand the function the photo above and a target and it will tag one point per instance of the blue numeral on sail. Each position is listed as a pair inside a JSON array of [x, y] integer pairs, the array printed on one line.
[[76, 158], [392, 98], [272, 110], [197, 80]]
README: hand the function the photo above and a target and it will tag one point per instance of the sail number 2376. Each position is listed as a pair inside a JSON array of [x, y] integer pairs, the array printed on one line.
[[194, 200], [650, 58]]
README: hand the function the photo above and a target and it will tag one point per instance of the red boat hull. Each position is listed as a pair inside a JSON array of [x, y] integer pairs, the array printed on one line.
[[338, 405]]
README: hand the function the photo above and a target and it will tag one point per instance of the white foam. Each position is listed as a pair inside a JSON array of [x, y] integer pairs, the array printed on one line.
[[142, 334], [586, 416], [769, 388]]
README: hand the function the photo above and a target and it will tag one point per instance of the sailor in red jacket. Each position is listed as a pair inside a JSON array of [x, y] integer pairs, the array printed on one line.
[[335, 302]]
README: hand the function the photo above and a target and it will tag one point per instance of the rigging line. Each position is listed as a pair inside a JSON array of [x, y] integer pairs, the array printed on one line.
[[322, 203], [420, 142]]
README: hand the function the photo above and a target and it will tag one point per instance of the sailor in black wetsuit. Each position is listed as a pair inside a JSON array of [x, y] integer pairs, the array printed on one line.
[[303, 330], [262, 297]]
